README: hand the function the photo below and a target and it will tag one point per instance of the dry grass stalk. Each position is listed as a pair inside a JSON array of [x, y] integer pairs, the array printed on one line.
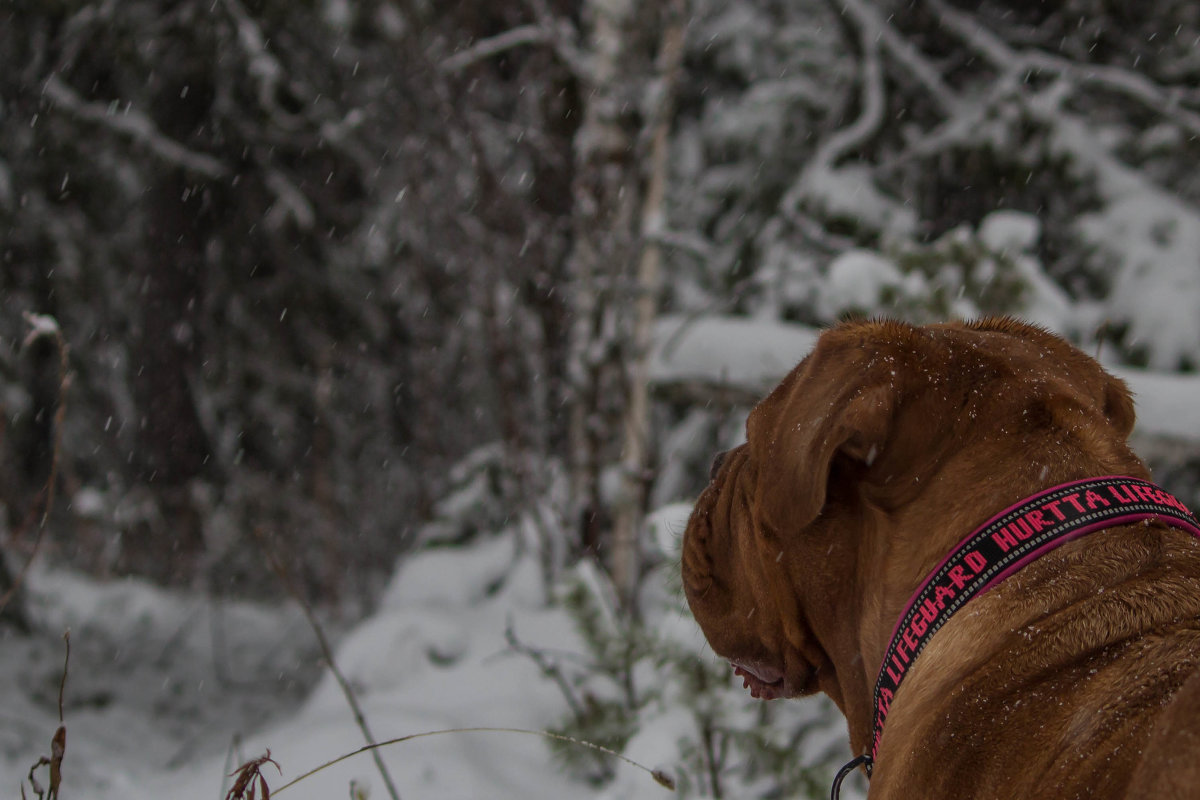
[[250, 780], [660, 777]]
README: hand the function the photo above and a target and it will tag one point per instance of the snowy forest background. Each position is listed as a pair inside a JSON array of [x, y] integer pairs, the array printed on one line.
[[439, 311]]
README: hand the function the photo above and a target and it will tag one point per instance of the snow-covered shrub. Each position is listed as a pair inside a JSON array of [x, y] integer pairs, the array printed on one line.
[[477, 498], [965, 273]]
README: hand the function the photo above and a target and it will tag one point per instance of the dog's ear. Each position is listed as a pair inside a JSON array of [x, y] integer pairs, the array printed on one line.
[[834, 404], [1110, 394]]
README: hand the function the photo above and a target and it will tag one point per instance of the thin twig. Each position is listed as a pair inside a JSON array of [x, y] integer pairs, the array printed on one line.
[[58, 745], [327, 651], [43, 326], [233, 756], [548, 668]]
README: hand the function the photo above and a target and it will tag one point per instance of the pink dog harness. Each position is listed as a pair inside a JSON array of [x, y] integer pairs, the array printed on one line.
[[998, 548]]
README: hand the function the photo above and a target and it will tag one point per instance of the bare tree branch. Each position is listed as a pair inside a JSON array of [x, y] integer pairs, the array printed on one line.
[[290, 203], [565, 39], [45, 326], [136, 126], [540, 33], [494, 45], [955, 129], [548, 667]]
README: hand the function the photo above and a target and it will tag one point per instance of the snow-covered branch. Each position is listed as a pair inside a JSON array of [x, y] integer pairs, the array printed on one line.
[[1133, 85], [868, 122], [494, 45], [847, 139], [264, 67], [691, 243], [290, 202], [136, 126]]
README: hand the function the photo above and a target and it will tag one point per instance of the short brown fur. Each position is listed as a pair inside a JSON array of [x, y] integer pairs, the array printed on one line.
[[1077, 677]]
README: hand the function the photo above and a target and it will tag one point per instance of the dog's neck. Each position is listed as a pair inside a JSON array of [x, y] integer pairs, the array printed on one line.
[[903, 544], [995, 550]]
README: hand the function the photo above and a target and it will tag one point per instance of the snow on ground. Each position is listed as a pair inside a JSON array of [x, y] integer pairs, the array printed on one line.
[[155, 678], [148, 718], [161, 682], [434, 656]]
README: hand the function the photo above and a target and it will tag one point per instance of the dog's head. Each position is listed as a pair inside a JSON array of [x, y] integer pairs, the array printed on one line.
[[813, 533]]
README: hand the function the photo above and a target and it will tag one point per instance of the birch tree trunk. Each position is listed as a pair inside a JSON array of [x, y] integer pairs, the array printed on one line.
[[603, 197], [614, 269]]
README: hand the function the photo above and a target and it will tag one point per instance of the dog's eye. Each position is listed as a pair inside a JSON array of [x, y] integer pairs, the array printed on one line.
[[716, 465]]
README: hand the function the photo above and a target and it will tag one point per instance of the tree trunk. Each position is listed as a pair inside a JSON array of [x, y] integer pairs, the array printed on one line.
[[172, 446], [603, 195]]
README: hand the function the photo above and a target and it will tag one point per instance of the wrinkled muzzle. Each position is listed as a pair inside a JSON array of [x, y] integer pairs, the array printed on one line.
[[739, 587], [707, 555]]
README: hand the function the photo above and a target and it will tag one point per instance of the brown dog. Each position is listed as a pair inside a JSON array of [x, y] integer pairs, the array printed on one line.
[[1075, 677]]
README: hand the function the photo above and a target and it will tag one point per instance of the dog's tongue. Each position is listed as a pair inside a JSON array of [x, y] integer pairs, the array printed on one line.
[[758, 683]]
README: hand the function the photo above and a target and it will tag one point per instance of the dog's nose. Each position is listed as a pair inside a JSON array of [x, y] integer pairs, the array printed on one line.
[[718, 460]]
